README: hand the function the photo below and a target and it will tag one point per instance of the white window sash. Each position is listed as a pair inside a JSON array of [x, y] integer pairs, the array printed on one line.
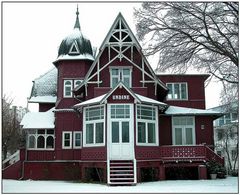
[[171, 96], [74, 139], [64, 88], [63, 140]]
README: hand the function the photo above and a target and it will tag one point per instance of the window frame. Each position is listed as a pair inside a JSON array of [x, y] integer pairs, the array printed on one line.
[[35, 135], [64, 88], [94, 122], [180, 89], [120, 75], [74, 139], [63, 140], [184, 127], [147, 121]]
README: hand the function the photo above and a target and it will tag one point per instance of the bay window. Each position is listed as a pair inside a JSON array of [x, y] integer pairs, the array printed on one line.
[[94, 126], [147, 131]]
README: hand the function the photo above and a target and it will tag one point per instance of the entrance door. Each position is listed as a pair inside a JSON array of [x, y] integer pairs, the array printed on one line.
[[120, 132]]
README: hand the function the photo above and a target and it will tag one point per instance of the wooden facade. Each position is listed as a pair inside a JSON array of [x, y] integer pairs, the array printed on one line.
[[119, 122]]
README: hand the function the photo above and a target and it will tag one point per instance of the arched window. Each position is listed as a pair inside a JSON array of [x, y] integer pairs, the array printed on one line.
[[50, 142], [68, 88], [31, 141], [40, 142]]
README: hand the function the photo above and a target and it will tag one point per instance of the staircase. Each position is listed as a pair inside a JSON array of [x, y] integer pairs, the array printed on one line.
[[122, 172]]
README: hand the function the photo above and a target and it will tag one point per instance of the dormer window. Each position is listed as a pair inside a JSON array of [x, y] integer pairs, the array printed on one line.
[[67, 88], [74, 48], [177, 91], [121, 74]]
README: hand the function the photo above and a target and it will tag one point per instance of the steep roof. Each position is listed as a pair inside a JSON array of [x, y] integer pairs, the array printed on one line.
[[45, 85], [120, 35], [75, 45]]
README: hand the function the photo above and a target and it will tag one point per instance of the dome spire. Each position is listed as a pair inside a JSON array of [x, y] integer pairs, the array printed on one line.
[[77, 23]]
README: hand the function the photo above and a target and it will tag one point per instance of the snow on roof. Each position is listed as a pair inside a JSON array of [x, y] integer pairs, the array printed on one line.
[[43, 99], [84, 56], [176, 110], [92, 101], [144, 99], [45, 85], [100, 99], [38, 120]]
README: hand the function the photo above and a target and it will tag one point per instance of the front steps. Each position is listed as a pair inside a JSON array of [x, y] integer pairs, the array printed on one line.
[[121, 172]]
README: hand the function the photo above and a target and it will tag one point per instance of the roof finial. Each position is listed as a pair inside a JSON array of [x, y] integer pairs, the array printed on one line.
[[77, 24]]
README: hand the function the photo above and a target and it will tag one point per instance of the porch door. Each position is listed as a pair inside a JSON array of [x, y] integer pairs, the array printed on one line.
[[120, 131], [184, 136]]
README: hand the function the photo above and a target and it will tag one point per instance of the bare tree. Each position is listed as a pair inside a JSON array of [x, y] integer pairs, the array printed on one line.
[[10, 127], [199, 35]]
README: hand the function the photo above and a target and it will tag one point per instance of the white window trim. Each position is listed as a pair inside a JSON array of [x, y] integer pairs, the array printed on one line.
[[146, 128], [180, 99], [94, 144], [184, 134], [64, 88], [45, 140], [120, 72], [75, 81], [74, 137], [63, 135]]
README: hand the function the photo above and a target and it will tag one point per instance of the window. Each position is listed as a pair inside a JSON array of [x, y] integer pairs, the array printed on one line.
[[77, 139], [67, 140], [94, 126], [67, 88], [77, 83], [147, 131], [121, 74], [177, 91], [183, 130], [219, 135], [41, 139], [226, 119], [120, 111]]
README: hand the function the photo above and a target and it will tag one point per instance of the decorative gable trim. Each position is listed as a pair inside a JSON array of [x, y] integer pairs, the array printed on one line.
[[119, 40], [120, 85], [74, 48]]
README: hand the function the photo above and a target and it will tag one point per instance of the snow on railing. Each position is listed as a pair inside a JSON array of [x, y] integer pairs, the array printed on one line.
[[11, 159]]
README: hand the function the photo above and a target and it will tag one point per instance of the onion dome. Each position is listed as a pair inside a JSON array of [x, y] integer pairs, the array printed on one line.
[[75, 45]]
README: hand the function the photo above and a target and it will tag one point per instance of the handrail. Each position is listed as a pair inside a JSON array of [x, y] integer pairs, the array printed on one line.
[[11, 159]]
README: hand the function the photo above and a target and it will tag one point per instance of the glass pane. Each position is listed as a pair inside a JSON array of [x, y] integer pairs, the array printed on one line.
[[189, 121], [99, 132], [151, 133], [170, 92], [176, 91], [42, 131], [145, 112], [67, 136], [189, 136], [184, 91], [126, 72], [50, 131], [115, 71], [89, 133], [178, 136], [141, 132], [115, 132], [234, 116], [40, 142], [126, 81], [50, 142], [31, 143], [125, 132], [114, 81], [77, 139]]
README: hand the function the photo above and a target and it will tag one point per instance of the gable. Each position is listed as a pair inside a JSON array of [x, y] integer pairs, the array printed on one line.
[[121, 48]]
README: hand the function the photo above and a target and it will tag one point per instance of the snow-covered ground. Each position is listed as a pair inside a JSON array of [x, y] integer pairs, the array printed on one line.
[[229, 185]]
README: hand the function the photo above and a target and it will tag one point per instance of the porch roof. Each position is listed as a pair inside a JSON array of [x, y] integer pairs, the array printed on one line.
[[101, 99], [176, 110], [38, 120]]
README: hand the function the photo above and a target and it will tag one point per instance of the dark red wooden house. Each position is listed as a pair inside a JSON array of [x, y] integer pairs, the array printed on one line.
[[109, 116]]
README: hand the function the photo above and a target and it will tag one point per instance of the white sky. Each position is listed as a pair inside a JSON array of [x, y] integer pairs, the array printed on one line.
[[32, 33]]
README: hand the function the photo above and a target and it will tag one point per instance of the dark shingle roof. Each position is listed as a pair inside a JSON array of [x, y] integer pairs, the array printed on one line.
[[45, 85]]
